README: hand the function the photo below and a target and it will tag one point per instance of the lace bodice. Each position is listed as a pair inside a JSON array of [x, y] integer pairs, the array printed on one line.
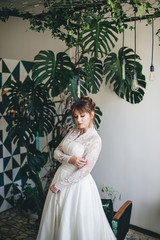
[[87, 145]]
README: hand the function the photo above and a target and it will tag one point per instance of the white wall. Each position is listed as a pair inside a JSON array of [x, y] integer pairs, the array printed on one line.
[[130, 158], [18, 42]]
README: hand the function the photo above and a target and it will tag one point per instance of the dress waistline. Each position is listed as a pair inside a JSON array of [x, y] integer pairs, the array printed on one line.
[[68, 167]]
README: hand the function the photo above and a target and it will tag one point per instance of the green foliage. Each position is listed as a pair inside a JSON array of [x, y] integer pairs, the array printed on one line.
[[36, 159], [98, 113], [30, 107], [53, 70], [30, 111], [76, 16], [99, 38], [27, 198], [31, 197], [111, 192], [93, 73], [113, 72]]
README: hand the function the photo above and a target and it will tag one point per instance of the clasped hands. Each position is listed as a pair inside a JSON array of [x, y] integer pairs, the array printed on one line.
[[77, 161]]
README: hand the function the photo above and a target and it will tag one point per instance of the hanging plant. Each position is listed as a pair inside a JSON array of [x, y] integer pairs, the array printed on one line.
[[100, 38], [56, 71], [113, 71], [60, 74], [98, 113], [93, 74], [68, 14], [47, 70]]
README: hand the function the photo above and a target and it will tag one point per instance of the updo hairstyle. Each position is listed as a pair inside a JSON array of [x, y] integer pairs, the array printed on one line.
[[83, 104]]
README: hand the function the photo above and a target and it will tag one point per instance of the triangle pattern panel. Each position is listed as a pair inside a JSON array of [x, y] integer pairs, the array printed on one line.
[[5, 205], [16, 162], [6, 77], [10, 63], [11, 156], [23, 158], [8, 176], [16, 72], [8, 145], [16, 151], [5, 68], [1, 136], [1, 179], [10, 200], [7, 163], [23, 72], [2, 191], [1, 151], [7, 190], [27, 78], [4, 125], [16, 174], [27, 65], [1, 200], [7, 180], [1, 164], [6, 153]]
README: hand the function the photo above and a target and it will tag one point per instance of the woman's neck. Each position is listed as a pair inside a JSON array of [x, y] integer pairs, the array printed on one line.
[[83, 130]]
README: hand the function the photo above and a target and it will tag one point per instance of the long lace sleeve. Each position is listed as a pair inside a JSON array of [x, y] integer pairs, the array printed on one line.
[[91, 155], [58, 153]]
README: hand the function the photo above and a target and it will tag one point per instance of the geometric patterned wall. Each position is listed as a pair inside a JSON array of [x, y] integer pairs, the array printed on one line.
[[11, 156]]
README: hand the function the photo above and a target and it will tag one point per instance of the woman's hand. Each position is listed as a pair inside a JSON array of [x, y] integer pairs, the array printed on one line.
[[54, 189], [77, 161]]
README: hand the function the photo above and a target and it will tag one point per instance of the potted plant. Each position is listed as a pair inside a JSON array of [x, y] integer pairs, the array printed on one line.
[[108, 202]]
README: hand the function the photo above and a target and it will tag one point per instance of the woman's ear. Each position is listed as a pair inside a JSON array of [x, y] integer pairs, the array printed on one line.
[[92, 114]]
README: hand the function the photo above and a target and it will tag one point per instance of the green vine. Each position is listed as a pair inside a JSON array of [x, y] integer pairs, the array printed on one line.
[[64, 20]]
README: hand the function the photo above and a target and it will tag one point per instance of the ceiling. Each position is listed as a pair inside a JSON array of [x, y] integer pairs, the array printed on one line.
[[36, 7], [33, 6]]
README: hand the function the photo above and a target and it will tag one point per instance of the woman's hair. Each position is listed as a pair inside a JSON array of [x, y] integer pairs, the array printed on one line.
[[83, 104]]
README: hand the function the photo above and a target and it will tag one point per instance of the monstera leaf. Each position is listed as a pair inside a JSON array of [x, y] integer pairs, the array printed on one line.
[[34, 112], [113, 71], [79, 74], [97, 118], [90, 76], [99, 38], [41, 108], [54, 72], [12, 90], [36, 159], [93, 70]]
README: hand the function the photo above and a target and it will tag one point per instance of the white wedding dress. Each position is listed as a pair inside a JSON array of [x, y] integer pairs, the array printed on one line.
[[75, 212]]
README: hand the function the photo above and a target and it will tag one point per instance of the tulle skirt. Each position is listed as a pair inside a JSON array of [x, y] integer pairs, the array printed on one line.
[[75, 212]]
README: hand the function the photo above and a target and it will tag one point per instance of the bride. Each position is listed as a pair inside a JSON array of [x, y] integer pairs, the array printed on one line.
[[73, 209]]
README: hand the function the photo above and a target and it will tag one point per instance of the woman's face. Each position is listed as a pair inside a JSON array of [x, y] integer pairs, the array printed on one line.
[[83, 119]]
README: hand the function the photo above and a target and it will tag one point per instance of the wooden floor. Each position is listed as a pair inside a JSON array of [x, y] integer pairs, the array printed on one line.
[[16, 225]]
